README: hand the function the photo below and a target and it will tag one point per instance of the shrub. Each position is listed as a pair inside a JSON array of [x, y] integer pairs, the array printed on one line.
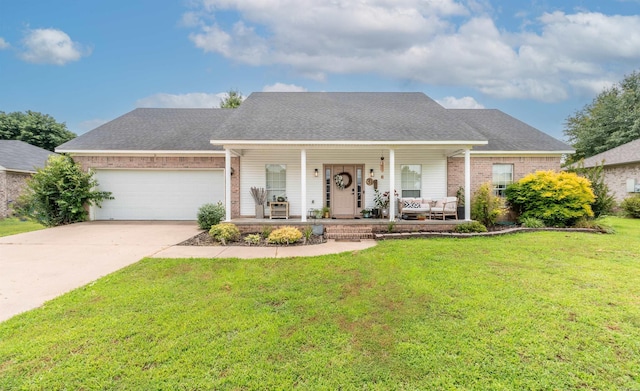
[[225, 232], [285, 235], [253, 239], [631, 206], [472, 226], [307, 232], [531, 222], [266, 231], [210, 215], [485, 206], [558, 199], [58, 193], [604, 201]]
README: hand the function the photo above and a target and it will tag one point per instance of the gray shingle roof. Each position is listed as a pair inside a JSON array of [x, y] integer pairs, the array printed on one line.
[[147, 129], [20, 156], [314, 117], [624, 154], [506, 133], [348, 116]]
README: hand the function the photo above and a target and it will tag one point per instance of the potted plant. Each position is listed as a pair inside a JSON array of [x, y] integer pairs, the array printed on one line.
[[382, 201], [460, 196], [316, 229], [366, 213], [325, 212]]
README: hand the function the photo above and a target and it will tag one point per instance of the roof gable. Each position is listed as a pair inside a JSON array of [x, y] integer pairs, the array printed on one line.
[[17, 155], [343, 116]]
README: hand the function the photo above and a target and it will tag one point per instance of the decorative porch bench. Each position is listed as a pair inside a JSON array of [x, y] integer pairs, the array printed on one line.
[[408, 206]]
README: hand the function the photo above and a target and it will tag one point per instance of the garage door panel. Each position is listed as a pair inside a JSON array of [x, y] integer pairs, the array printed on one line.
[[157, 195]]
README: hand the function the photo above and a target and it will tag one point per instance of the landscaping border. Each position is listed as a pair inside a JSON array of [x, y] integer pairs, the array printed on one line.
[[508, 231]]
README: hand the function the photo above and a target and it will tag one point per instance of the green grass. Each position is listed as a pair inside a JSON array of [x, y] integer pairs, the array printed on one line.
[[12, 226], [545, 310]]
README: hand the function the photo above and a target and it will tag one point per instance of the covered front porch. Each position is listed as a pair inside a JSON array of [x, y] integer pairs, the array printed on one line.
[[306, 176]]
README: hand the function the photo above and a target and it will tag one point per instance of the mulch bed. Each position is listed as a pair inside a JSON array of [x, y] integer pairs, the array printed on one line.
[[203, 239]]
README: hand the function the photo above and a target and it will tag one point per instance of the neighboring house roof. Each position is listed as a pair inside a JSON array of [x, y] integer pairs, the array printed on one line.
[[506, 133], [343, 116], [17, 155], [623, 154], [147, 129]]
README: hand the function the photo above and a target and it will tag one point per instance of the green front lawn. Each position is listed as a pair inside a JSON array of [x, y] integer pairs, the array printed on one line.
[[546, 310], [12, 226]]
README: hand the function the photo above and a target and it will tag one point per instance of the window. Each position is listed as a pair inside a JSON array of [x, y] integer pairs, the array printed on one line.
[[276, 181], [502, 177], [411, 180]]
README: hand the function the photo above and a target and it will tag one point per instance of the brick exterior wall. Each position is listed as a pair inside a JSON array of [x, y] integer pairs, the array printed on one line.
[[169, 162], [616, 178], [482, 169], [11, 185]]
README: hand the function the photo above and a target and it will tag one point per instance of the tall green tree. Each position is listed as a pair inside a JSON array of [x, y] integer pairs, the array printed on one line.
[[612, 119], [34, 128], [232, 100]]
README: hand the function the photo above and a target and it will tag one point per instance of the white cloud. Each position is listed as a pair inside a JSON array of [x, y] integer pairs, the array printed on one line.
[[281, 87], [609, 37], [444, 42], [465, 102], [3, 44], [51, 46], [190, 19], [591, 87], [190, 100]]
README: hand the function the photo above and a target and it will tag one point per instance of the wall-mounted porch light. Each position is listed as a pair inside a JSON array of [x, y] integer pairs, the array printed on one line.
[[315, 172], [371, 173], [381, 163]]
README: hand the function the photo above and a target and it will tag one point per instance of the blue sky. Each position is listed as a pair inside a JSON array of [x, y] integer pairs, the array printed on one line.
[[87, 62]]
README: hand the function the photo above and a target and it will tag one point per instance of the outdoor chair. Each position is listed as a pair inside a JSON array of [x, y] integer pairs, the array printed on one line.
[[447, 206]]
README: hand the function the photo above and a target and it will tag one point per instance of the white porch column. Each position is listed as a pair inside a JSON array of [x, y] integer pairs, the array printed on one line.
[[227, 184], [467, 184], [303, 184], [392, 185]]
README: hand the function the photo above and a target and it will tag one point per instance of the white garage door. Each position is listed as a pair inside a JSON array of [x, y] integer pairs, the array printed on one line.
[[157, 195]]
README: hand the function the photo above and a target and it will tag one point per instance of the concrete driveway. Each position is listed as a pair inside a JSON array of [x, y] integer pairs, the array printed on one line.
[[38, 266]]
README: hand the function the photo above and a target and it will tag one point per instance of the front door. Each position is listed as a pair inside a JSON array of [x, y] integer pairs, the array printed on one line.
[[346, 190]]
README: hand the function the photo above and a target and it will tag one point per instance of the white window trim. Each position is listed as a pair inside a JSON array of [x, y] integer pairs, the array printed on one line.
[[402, 182], [500, 186], [270, 191]]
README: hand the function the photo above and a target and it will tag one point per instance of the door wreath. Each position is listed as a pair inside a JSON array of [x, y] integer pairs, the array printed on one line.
[[342, 180]]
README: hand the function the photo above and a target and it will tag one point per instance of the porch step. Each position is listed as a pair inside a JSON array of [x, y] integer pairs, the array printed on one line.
[[348, 232]]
